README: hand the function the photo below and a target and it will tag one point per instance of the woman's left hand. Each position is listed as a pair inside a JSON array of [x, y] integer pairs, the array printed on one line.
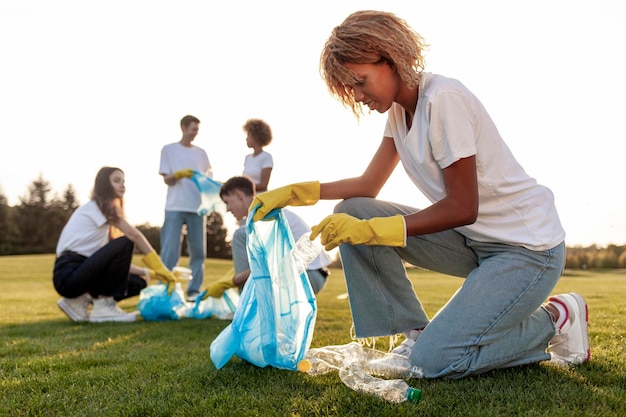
[[343, 228]]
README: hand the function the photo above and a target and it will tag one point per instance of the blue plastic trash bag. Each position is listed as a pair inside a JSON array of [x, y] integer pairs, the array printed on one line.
[[222, 308], [209, 193], [273, 324], [156, 305]]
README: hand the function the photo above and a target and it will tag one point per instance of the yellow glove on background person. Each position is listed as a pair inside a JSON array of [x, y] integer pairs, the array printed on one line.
[[300, 194], [216, 289], [184, 173], [343, 228], [163, 274]]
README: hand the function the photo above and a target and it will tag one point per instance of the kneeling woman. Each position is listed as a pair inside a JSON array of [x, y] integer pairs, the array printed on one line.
[[94, 255]]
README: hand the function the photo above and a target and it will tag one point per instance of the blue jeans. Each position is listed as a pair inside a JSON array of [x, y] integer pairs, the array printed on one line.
[[171, 238], [493, 321]]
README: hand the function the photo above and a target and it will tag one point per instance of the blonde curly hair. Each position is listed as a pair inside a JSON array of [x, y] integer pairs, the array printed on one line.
[[370, 37]]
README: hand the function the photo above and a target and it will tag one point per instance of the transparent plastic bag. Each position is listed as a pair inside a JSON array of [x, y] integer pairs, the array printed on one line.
[[273, 324], [156, 305], [209, 194], [222, 308]]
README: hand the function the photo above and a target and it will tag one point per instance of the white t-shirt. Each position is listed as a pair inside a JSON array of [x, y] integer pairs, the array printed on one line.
[[299, 227], [183, 195], [86, 231], [450, 123], [253, 166]]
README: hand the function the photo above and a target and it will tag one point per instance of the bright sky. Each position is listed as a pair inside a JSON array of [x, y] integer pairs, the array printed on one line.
[[85, 84]]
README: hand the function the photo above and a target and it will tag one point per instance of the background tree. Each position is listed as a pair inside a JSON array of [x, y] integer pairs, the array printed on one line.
[[7, 231], [153, 234], [31, 218], [40, 219], [216, 244], [35, 224]]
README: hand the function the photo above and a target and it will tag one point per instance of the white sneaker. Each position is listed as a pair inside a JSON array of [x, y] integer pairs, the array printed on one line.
[[106, 309], [77, 308], [191, 297], [406, 346], [570, 345]]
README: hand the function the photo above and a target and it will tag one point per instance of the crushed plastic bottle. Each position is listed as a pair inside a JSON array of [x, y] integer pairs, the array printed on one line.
[[316, 366], [343, 355], [318, 361], [392, 365], [392, 390], [305, 250]]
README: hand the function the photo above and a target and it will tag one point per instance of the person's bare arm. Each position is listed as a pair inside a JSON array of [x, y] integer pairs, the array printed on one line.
[[169, 179], [458, 208], [134, 235], [265, 180]]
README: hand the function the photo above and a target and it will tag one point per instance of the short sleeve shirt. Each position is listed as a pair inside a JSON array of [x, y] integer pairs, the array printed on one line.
[[86, 231], [183, 195], [450, 123]]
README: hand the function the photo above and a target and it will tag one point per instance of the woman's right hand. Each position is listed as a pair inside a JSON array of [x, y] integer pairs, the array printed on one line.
[[300, 194]]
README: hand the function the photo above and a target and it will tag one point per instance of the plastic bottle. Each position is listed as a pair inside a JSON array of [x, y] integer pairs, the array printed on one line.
[[316, 366], [181, 310], [338, 356], [392, 365], [323, 357], [179, 291], [304, 251], [182, 273], [356, 353], [392, 390]]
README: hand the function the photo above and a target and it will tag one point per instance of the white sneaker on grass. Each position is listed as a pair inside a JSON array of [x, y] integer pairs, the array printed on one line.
[[106, 309], [406, 346], [570, 345], [77, 308]]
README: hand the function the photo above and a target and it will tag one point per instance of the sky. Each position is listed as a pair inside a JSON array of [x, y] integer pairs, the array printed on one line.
[[84, 84]]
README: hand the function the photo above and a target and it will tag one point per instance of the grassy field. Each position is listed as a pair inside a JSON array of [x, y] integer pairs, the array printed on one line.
[[50, 366]]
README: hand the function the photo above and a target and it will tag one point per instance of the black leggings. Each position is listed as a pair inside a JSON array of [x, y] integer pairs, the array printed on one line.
[[103, 273]]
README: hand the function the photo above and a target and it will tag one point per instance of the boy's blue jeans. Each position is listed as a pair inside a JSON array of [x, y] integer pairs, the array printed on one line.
[[493, 321], [171, 238]]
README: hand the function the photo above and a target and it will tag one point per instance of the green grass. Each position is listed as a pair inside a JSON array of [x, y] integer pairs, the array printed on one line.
[[50, 366]]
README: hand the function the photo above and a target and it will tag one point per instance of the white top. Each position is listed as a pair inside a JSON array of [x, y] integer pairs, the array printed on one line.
[[253, 165], [183, 195], [299, 227], [450, 123], [86, 231]]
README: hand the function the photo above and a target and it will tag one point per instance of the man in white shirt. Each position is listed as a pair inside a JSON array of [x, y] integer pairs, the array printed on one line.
[[179, 160]]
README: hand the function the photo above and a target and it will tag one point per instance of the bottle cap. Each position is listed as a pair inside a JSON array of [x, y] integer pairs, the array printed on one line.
[[304, 365], [413, 395]]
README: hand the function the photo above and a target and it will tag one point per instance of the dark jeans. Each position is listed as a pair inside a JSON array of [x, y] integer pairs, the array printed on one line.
[[103, 273]]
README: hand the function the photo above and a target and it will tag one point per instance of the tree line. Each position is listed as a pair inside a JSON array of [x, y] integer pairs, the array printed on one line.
[[35, 224]]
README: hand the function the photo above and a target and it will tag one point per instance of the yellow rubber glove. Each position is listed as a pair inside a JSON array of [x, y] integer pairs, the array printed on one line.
[[184, 173], [217, 288], [343, 228], [300, 194], [163, 274]]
